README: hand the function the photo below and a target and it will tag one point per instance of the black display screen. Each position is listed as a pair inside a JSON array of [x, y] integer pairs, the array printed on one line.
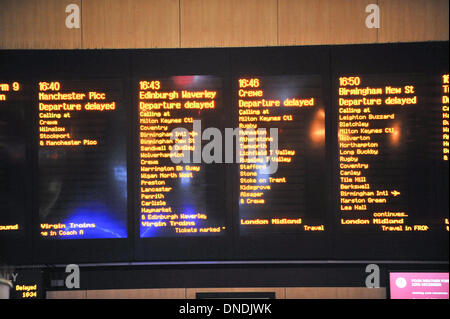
[[180, 195], [393, 153], [13, 157], [281, 171], [390, 111], [231, 154]]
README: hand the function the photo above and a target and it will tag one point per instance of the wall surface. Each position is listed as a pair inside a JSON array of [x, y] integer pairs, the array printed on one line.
[[40, 24], [181, 293]]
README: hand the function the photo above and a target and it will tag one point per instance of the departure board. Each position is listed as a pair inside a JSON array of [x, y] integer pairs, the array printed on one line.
[[28, 284], [391, 148], [179, 192], [282, 154], [390, 170], [14, 178], [225, 154], [82, 159]]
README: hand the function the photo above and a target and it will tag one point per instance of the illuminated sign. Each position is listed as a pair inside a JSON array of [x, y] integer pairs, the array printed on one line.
[[287, 198], [27, 284], [13, 155], [326, 152], [389, 129], [410, 285], [82, 160], [178, 198]]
